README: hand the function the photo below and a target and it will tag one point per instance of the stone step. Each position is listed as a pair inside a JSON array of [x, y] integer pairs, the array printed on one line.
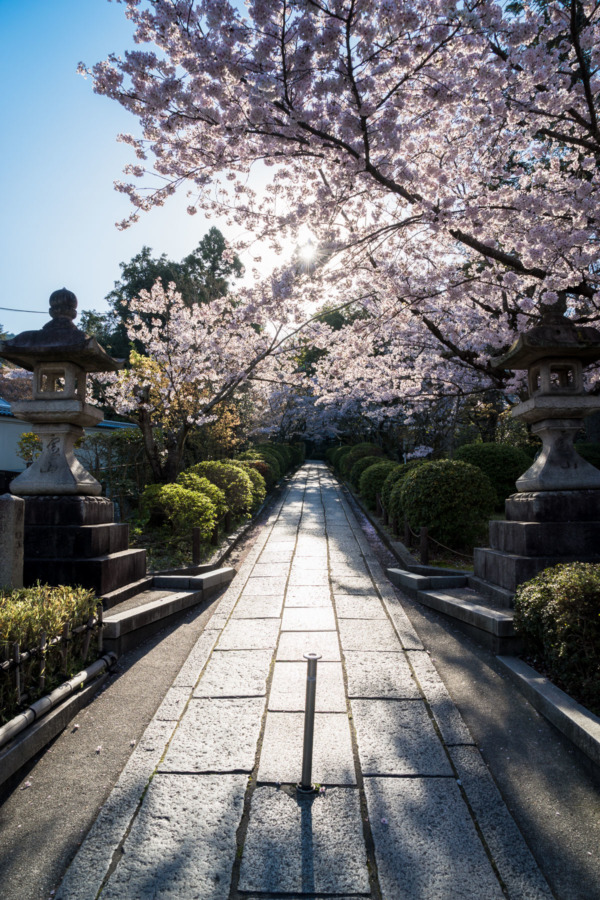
[[412, 581], [508, 570], [477, 616], [138, 616], [103, 574], [501, 598], [545, 538], [67, 541], [112, 598]]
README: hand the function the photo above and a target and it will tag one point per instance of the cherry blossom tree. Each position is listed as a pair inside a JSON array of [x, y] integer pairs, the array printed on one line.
[[445, 155]]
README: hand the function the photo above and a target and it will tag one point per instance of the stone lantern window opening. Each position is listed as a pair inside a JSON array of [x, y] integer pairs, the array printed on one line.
[[556, 376], [56, 381]]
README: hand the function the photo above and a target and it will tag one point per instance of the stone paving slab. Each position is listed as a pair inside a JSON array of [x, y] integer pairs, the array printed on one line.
[[318, 577], [249, 634], [378, 636], [281, 754], [265, 569], [352, 584], [288, 688], [426, 845], [350, 606], [183, 841], [172, 707], [447, 716], [380, 674], [308, 619], [216, 735], [516, 866], [308, 596], [294, 644], [264, 587], [235, 673], [397, 737], [258, 608], [311, 844], [192, 667]]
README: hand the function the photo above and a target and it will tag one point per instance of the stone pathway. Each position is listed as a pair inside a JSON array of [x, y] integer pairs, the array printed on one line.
[[206, 806]]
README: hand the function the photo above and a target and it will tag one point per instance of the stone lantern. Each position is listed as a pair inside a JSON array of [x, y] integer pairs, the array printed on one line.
[[555, 515], [554, 355], [70, 534], [60, 356]]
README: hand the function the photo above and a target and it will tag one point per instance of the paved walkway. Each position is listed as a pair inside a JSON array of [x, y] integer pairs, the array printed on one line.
[[206, 806]]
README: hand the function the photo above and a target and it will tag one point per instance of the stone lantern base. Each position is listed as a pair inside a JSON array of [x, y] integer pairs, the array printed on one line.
[[542, 529], [74, 540]]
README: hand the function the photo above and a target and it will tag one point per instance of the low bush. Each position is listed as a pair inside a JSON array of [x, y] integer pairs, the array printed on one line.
[[365, 462], [28, 615], [234, 481], [392, 487], [557, 614], [501, 463], [373, 478], [194, 482], [259, 487], [298, 449], [452, 499], [357, 452], [263, 468], [338, 455], [184, 509]]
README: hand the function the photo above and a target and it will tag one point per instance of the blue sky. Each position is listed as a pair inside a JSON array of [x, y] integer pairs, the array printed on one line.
[[60, 157]]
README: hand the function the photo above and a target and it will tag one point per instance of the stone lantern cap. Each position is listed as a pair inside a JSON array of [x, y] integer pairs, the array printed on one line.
[[59, 341], [556, 338]]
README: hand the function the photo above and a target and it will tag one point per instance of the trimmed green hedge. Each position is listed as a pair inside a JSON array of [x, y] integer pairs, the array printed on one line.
[[26, 615], [365, 462], [502, 464], [194, 482], [259, 487], [392, 487], [358, 452], [557, 614], [184, 509], [233, 481], [452, 499], [373, 478]]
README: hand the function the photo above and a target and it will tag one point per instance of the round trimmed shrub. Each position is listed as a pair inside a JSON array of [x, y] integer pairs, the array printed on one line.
[[329, 454], [558, 615], [359, 467], [452, 499], [263, 468], [372, 480], [298, 449], [183, 509], [233, 481], [194, 482], [357, 452], [259, 487], [392, 486], [339, 454], [502, 464]]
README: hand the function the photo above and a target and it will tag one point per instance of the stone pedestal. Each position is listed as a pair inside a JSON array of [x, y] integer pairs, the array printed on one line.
[[12, 511], [74, 540], [542, 529]]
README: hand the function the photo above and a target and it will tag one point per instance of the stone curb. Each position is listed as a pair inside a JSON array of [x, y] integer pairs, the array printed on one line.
[[574, 721], [36, 736]]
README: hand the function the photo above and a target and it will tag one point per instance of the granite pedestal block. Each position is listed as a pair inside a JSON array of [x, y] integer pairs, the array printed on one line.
[[73, 540], [542, 529]]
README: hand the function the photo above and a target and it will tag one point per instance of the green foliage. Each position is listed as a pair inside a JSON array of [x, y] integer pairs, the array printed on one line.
[[338, 455], [184, 509], [356, 453], [373, 478], [263, 468], [452, 499], [359, 467], [590, 452], [200, 277], [298, 449], [26, 615], [558, 615], [392, 489], [193, 482], [29, 447], [259, 487], [273, 459], [233, 481], [501, 463], [117, 459]]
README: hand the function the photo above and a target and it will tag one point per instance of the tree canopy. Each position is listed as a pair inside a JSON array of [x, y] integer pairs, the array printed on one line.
[[444, 154]]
